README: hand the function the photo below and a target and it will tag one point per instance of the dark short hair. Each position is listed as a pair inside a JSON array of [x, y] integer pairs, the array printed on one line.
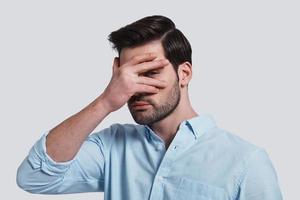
[[176, 47]]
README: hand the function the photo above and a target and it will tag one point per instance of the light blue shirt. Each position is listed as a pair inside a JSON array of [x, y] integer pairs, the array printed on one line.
[[130, 162]]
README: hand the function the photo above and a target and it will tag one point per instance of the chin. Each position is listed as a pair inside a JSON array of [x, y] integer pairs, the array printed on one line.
[[140, 118]]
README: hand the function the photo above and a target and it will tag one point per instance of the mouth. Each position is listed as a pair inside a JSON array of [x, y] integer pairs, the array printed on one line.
[[140, 105]]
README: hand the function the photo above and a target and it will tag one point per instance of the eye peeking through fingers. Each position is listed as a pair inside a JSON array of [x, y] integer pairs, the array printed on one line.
[[151, 73]]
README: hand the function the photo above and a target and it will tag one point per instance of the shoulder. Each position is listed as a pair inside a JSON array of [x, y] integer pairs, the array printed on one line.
[[232, 146], [232, 140], [237, 154]]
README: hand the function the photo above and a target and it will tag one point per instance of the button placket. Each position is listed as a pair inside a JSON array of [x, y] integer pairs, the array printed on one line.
[[166, 164]]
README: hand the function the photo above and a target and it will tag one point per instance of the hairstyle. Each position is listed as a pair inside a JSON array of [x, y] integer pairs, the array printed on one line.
[[177, 48]]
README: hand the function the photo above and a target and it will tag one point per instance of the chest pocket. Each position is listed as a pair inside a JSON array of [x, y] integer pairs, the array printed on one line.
[[196, 190]]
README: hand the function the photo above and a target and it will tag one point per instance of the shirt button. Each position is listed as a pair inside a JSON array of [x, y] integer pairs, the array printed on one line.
[[159, 147], [175, 147]]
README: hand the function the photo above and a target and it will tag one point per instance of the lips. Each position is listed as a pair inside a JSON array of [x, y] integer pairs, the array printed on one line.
[[140, 103]]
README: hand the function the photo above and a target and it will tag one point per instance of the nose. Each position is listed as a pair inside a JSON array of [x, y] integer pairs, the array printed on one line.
[[137, 95]]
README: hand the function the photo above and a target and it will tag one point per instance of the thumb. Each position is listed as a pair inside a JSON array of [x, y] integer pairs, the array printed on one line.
[[115, 64]]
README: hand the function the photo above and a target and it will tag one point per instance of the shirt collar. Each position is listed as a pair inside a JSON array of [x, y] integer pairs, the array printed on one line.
[[198, 125]]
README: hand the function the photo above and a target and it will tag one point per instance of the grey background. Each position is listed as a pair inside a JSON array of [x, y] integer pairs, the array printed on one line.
[[55, 59]]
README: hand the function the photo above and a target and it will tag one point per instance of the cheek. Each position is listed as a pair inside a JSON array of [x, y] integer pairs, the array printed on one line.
[[162, 96], [163, 92]]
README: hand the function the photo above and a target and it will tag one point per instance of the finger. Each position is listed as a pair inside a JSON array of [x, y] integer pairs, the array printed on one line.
[[152, 82], [141, 88], [141, 58], [115, 64], [146, 66]]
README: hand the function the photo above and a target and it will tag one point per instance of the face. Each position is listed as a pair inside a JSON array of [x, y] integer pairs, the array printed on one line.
[[164, 102]]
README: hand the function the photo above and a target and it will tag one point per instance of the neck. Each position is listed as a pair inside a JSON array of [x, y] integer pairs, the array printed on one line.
[[167, 127]]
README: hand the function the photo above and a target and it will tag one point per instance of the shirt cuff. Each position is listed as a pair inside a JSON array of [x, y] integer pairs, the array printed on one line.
[[38, 158]]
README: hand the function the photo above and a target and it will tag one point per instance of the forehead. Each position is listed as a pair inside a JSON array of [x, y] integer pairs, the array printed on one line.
[[150, 47]]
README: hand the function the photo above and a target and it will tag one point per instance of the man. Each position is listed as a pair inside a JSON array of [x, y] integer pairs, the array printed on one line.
[[171, 153]]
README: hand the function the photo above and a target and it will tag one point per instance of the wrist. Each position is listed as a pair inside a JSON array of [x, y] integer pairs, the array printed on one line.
[[102, 103]]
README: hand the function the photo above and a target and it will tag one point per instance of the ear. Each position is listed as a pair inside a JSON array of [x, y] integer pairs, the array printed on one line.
[[184, 73], [116, 64]]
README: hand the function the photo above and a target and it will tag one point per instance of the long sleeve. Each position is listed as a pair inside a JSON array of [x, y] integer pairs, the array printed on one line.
[[260, 180], [38, 173]]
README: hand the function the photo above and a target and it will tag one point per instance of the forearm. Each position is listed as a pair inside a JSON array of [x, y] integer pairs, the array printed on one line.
[[39, 174], [64, 140]]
